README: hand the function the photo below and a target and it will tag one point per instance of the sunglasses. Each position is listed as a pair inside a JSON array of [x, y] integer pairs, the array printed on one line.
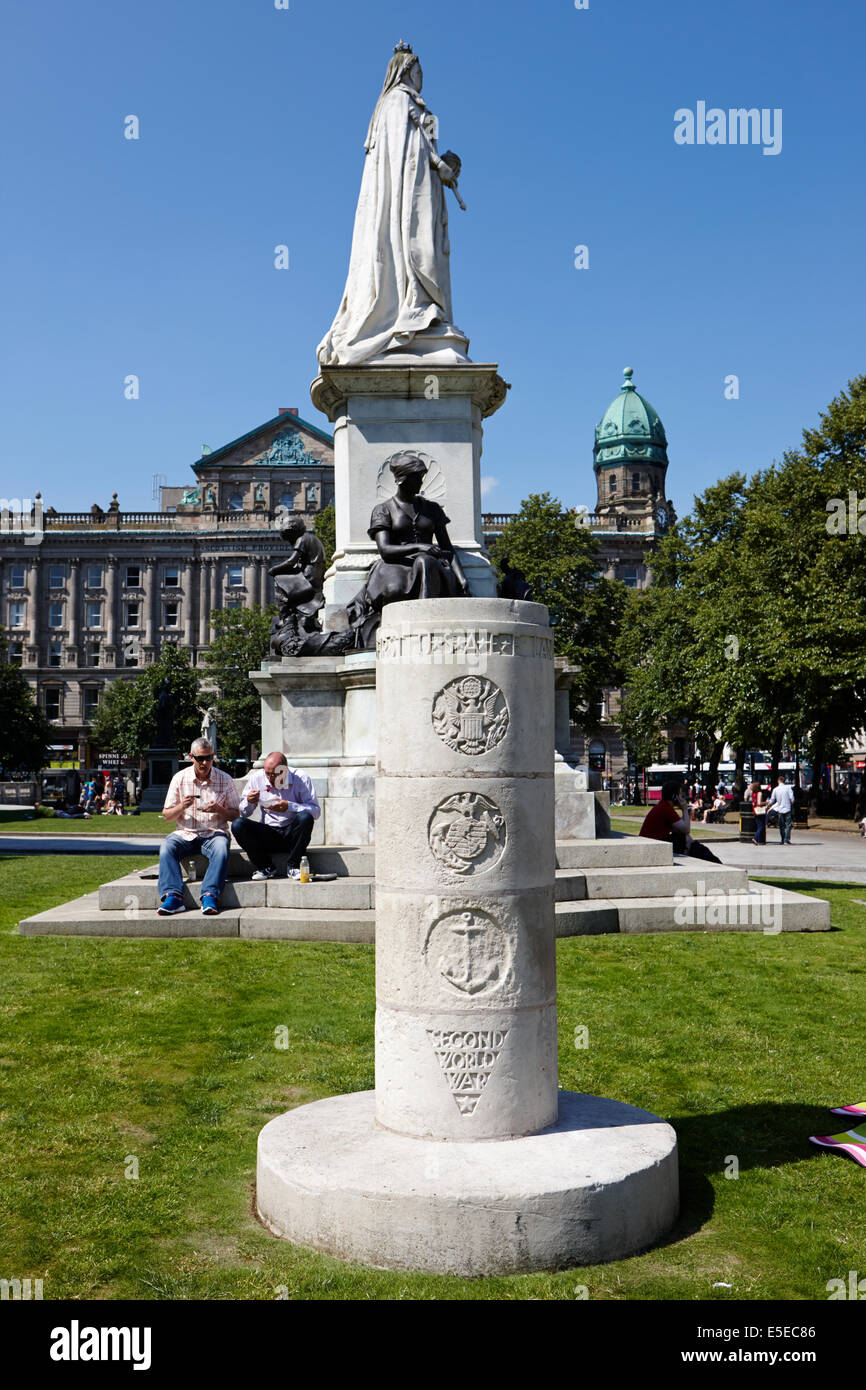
[[207, 758]]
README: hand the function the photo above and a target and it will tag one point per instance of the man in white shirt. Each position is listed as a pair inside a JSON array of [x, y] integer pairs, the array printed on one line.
[[278, 809], [201, 800], [782, 801]]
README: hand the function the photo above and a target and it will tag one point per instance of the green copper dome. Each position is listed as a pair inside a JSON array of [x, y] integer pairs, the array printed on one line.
[[630, 430]]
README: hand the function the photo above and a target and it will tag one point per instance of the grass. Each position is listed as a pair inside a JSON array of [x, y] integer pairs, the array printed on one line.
[[163, 1052], [147, 822]]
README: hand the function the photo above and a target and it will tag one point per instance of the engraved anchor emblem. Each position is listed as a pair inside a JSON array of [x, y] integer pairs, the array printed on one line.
[[473, 955]]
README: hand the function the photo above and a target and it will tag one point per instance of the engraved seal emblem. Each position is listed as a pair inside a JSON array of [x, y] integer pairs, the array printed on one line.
[[469, 952], [470, 715], [466, 833]]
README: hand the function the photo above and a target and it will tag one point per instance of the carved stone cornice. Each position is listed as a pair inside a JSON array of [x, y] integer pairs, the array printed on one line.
[[480, 381]]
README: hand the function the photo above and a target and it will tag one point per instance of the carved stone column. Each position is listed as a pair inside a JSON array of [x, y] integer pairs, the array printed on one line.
[[149, 594], [33, 626], [203, 599], [111, 658], [188, 606], [72, 619], [216, 590]]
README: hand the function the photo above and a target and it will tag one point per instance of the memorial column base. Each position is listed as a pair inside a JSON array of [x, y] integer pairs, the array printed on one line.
[[599, 1185]]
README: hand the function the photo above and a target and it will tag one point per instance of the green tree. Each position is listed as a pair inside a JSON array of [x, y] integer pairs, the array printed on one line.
[[325, 527], [239, 646], [125, 719], [561, 559], [756, 624], [25, 733]]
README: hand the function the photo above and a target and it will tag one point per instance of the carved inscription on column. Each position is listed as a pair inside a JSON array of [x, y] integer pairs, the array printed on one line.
[[470, 715], [467, 1058]]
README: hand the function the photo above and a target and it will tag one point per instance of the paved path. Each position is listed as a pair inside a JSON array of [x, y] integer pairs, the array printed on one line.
[[832, 857], [80, 844]]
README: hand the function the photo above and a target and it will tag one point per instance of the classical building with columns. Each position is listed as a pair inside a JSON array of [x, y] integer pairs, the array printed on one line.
[[88, 597], [631, 514]]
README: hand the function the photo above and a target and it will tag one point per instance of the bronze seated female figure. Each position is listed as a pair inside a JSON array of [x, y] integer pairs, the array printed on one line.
[[416, 557]]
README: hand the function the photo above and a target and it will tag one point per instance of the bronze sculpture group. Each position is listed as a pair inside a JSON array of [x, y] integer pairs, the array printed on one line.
[[416, 560]]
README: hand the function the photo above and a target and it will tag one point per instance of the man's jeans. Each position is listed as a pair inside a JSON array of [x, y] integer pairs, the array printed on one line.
[[176, 847], [785, 820], [261, 841]]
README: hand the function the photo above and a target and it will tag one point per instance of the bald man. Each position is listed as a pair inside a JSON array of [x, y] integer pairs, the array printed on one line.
[[278, 809]]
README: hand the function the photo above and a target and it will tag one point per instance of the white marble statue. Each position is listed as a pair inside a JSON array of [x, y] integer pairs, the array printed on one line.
[[398, 293], [209, 726]]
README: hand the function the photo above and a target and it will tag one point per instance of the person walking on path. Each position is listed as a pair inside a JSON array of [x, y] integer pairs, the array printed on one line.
[[202, 800], [287, 804], [782, 801], [759, 810]]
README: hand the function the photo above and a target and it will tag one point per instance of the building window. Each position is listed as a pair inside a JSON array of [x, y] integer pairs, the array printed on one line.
[[171, 579], [133, 614], [172, 611], [236, 502], [597, 755], [130, 654], [234, 603], [635, 482], [630, 576], [91, 701], [93, 579], [93, 654], [55, 652], [287, 501], [16, 652], [133, 576], [52, 702], [56, 577], [613, 482], [236, 576], [55, 615], [93, 615], [16, 615], [16, 577]]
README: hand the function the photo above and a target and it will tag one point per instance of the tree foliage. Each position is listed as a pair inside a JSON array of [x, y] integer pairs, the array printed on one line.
[[756, 623], [125, 719], [239, 646], [561, 559], [25, 733], [325, 527]]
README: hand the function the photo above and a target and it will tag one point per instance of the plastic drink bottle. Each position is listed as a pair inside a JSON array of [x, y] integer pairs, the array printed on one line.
[[305, 870]]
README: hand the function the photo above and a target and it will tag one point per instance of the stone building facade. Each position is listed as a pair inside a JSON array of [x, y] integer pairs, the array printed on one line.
[[90, 597], [631, 514]]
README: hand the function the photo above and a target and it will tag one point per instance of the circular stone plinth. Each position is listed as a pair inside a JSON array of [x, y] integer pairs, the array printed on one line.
[[600, 1184]]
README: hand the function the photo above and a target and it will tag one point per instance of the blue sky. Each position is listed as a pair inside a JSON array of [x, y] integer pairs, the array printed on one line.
[[155, 257]]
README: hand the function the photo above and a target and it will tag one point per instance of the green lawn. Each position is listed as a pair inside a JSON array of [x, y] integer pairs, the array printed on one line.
[[162, 1052], [627, 820], [145, 823]]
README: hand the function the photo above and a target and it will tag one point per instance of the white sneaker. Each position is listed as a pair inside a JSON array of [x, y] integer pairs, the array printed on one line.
[[293, 873], [263, 873]]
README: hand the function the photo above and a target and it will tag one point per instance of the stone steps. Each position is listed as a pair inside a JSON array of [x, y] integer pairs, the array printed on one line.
[[758, 909], [626, 884], [346, 893]]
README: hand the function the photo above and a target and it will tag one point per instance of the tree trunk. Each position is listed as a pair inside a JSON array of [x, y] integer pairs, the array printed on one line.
[[739, 780], [712, 776], [775, 759]]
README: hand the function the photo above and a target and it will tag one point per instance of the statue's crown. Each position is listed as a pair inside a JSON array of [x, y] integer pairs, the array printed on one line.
[[402, 47]]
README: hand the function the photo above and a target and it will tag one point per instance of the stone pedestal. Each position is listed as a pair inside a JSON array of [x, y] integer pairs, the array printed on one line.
[[467, 1159], [321, 712], [162, 764], [435, 410]]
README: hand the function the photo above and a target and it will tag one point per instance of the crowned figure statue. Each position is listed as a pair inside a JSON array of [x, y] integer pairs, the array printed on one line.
[[398, 293]]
